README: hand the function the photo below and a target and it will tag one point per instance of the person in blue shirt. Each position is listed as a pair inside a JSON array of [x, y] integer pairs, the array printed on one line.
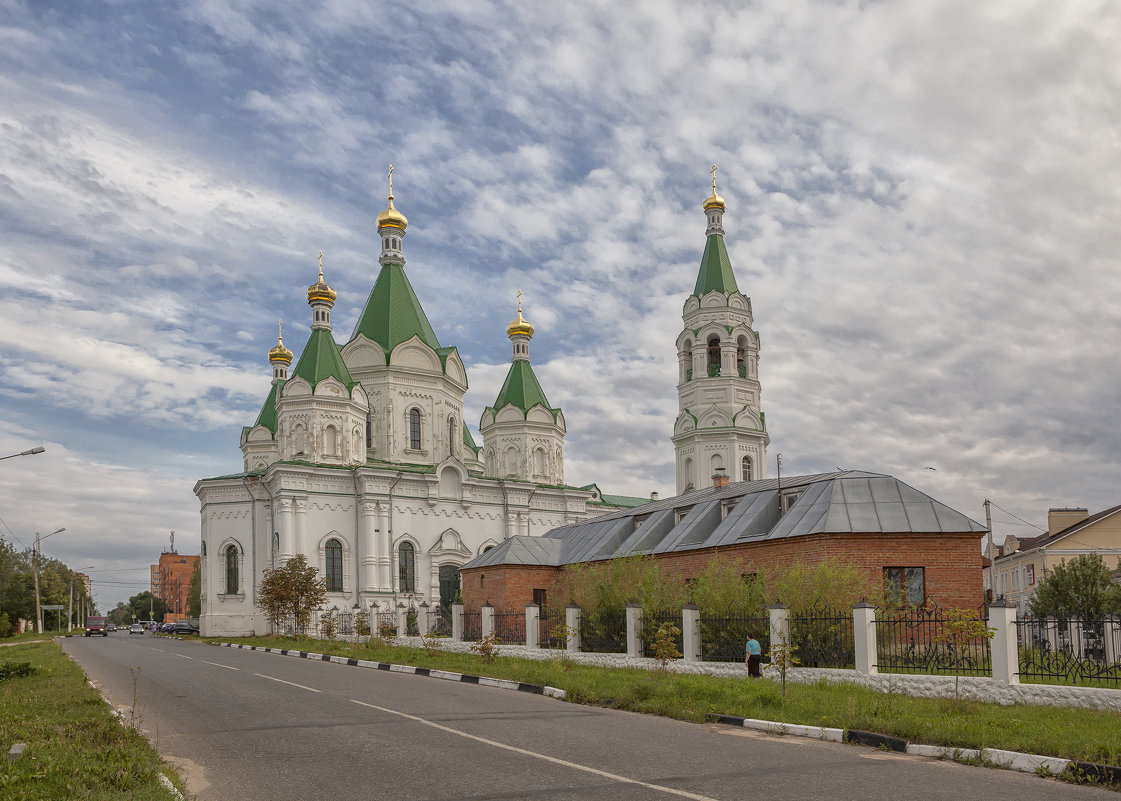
[[753, 657]]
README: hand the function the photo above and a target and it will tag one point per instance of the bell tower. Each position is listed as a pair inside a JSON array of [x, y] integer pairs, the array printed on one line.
[[720, 423]]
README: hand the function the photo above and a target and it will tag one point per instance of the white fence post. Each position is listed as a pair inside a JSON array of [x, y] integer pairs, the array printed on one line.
[[572, 622], [864, 637], [780, 624], [634, 631], [487, 620], [402, 620], [1111, 633], [691, 633], [422, 618], [457, 622], [1005, 654], [532, 625]]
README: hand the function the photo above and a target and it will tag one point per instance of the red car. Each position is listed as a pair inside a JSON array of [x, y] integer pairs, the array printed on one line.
[[97, 625]]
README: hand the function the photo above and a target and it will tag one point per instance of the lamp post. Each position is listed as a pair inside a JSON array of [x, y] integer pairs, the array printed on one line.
[[28, 452], [35, 571]]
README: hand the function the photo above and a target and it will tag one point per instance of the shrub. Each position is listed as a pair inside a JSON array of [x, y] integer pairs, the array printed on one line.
[[6, 629], [15, 670]]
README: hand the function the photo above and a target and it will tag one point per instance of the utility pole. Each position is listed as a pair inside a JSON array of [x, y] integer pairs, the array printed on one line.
[[35, 570], [989, 526]]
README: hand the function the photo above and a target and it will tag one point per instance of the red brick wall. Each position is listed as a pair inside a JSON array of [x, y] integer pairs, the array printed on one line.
[[952, 565]]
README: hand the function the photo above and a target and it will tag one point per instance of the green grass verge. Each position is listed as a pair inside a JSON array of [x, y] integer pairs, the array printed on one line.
[[1071, 733], [76, 749]]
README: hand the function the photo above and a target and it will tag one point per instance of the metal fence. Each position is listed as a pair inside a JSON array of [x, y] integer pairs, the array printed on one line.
[[650, 626], [440, 620], [509, 627], [916, 640], [472, 626], [1070, 650], [823, 637], [384, 623], [604, 633], [724, 637], [552, 632]]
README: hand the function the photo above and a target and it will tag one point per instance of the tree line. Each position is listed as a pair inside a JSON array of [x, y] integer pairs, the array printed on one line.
[[17, 589]]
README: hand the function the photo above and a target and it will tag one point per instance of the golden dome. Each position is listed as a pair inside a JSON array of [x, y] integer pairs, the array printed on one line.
[[714, 201], [391, 218], [319, 291], [280, 353], [521, 325]]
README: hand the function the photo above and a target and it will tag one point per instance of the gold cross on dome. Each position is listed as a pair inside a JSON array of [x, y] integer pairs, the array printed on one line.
[[321, 265], [280, 331], [713, 171], [519, 301], [391, 180]]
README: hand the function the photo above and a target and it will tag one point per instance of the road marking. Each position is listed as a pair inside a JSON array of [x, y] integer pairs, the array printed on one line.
[[227, 667], [282, 681], [545, 757], [162, 651]]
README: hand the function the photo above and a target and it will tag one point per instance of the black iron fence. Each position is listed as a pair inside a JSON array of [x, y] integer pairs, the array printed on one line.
[[509, 627], [604, 632], [917, 640], [1070, 650], [552, 629], [472, 626], [724, 637], [384, 623], [823, 637], [650, 626], [440, 620]]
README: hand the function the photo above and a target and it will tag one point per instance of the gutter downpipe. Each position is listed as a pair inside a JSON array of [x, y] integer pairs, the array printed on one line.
[[357, 538], [253, 537], [505, 511], [389, 522]]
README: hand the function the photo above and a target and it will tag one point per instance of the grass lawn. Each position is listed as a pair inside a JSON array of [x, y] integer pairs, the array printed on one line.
[[76, 748], [1082, 734]]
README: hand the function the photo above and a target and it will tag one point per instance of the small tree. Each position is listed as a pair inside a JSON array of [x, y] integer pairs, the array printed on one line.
[[665, 644], [783, 657], [1081, 588], [960, 629], [291, 591]]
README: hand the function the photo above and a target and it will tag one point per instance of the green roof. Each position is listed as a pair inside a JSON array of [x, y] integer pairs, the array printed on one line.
[[322, 359], [392, 314], [469, 440], [267, 417], [522, 390], [716, 270]]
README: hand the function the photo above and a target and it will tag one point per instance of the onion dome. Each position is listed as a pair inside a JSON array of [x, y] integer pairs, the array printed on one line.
[[391, 218], [520, 326], [280, 353], [319, 291], [714, 201]]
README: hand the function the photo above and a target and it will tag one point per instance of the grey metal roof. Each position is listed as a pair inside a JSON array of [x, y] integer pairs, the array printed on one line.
[[845, 502]]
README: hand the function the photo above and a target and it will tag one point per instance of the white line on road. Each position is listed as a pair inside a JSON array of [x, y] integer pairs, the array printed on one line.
[[227, 667], [282, 681], [162, 651], [545, 757]]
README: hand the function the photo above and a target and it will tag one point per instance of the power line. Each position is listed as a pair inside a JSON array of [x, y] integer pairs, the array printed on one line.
[[1025, 522]]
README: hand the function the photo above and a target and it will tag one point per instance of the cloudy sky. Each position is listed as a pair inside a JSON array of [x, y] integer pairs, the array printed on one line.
[[923, 204]]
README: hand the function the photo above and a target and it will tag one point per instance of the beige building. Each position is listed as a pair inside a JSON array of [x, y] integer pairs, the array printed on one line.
[[1020, 565]]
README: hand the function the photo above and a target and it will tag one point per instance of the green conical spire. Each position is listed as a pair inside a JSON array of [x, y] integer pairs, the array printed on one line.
[[393, 314], [716, 269], [322, 359], [522, 389]]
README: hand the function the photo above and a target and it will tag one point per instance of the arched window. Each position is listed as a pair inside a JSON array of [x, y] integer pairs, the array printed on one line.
[[539, 462], [330, 441], [741, 357], [334, 550], [451, 435], [369, 431], [231, 570], [406, 568], [748, 473], [714, 356], [414, 429]]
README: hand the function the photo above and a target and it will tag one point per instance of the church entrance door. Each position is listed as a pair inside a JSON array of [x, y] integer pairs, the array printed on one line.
[[449, 585]]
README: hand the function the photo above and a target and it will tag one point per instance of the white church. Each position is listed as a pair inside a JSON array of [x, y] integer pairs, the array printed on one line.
[[361, 461]]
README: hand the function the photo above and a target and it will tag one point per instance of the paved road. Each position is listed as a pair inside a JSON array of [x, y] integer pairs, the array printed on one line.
[[247, 725]]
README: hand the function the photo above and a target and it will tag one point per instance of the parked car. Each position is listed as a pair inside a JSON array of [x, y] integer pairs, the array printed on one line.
[[164, 627], [135, 628], [97, 625], [182, 627]]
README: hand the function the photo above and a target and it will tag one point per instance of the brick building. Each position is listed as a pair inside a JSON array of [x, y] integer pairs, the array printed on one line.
[[901, 538], [171, 581]]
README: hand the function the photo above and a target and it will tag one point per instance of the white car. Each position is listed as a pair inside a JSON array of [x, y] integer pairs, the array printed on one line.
[[135, 628]]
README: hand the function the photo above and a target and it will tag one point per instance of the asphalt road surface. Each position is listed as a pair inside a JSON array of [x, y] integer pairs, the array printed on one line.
[[245, 725]]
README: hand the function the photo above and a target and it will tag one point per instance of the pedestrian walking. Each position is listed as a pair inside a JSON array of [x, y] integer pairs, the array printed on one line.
[[752, 657]]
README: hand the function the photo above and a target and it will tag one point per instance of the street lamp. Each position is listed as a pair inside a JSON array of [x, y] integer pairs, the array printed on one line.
[[35, 570], [28, 452]]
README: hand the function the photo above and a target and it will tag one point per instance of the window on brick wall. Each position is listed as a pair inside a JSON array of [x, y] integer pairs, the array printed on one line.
[[905, 585], [539, 599]]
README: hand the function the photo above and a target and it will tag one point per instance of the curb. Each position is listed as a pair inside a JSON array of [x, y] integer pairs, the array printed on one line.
[[996, 757], [432, 673]]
